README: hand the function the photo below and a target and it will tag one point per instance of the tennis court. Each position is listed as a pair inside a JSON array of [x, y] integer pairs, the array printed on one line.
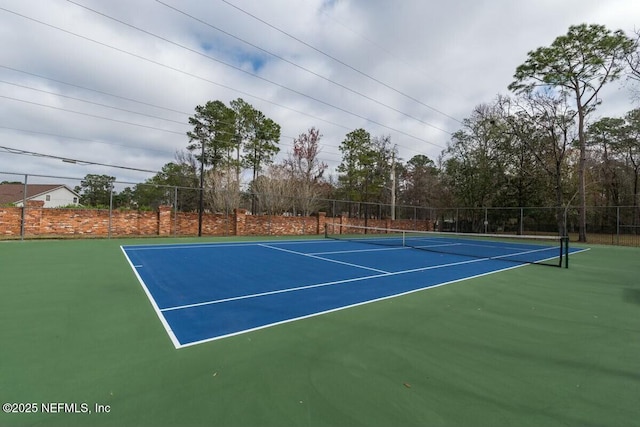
[[209, 291], [526, 346]]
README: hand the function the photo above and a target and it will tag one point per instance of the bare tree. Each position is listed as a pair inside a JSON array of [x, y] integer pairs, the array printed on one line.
[[605, 139], [273, 191], [222, 190], [473, 161], [306, 170], [631, 149], [547, 127]]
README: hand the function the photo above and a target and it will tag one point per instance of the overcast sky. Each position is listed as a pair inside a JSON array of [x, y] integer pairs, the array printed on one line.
[[114, 82]]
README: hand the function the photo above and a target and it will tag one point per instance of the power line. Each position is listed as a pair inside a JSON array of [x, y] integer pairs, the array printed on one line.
[[379, 46], [340, 61], [239, 69], [296, 65], [163, 65], [90, 115], [107, 118], [94, 90], [105, 93], [169, 67], [18, 151], [91, 102], [13, 151], [80, 139]]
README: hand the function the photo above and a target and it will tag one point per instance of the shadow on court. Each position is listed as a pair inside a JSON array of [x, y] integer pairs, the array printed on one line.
[[631, 295]]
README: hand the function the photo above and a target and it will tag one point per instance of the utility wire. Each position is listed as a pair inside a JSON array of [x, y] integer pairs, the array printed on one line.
[[166, 66], [18, 151], [169, 67], [94, 90], [339, 61], [120, 109], [418, 70], [294, 64], [90, 115], [239, 69], [92, 102], [80, 139], [254, 75]]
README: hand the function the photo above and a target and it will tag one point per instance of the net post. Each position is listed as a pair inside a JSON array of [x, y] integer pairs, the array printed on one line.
[[326, 230], [565, 243]]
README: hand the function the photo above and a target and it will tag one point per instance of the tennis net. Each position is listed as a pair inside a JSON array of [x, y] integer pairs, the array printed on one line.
[[543, 250]]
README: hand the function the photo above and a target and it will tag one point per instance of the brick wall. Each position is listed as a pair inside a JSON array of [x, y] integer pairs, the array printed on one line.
[[52, 222], [186, 224], [10, 221], [271, 225]]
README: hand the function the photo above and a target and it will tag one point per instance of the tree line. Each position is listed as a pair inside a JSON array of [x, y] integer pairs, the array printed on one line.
[[543, 145]]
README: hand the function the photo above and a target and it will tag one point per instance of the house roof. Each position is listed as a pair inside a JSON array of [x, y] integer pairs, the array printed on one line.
[[14, 193]]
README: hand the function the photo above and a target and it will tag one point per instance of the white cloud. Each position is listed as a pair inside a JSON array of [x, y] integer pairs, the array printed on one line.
[[451, 56]]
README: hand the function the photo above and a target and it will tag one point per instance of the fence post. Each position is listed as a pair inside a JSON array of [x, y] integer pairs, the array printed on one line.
[[24, 208], [321, 222], [486, 221], [110, 211], [164, 220], [617, 225], [239, 221], [521, 221], [175, 211]]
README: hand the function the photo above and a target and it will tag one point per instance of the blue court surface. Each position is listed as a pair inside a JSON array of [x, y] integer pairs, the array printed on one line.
[[202, 292]]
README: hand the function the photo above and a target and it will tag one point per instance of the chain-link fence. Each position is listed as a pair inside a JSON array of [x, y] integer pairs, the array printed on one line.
[[617, 225], [56, 206]]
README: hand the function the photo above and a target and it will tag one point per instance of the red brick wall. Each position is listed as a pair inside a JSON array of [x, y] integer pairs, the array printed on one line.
[[212, 224], [273, 225], [41, 222], [10, 221]]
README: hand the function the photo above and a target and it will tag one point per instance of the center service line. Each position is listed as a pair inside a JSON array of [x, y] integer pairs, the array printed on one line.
[[325, 259]]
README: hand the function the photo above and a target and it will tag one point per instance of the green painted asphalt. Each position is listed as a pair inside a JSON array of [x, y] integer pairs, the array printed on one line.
[[531, 346]]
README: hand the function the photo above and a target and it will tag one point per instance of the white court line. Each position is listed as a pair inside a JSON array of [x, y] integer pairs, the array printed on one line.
[[323, 259], [390, 248], [161, 247], [437, 246], [164, 322], [320, 285], [337, 282], [178, 345], [530, 252], [426, 247], [294, 319]]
